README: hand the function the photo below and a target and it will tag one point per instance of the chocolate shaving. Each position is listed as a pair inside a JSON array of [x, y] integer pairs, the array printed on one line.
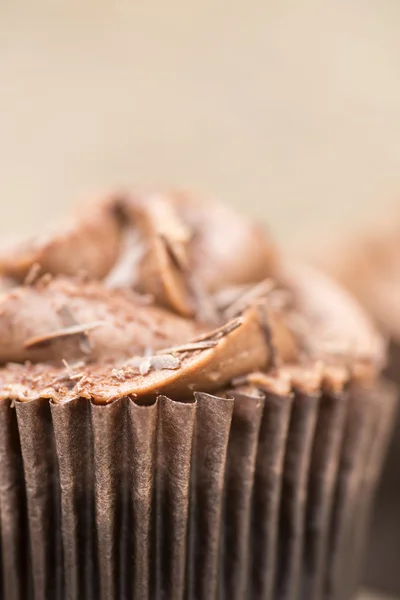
[[176, 251], [81, 383], [47, 338], [158, 362], [69, 376], [264, 322], [44, 280], [70, 369], [76, 376], [32, 274], [125, 271], [164, 361], [190, 347], [69, 320], [145, 366], [248, 297], [118, 374], [222, 331]]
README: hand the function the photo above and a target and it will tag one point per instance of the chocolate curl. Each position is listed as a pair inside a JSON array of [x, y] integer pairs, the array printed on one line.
[[73, 437], [294, 494], [321, 488], [14, 538], [212, 427], [240, 470], [174, 453], [267, 493], [43, 497]]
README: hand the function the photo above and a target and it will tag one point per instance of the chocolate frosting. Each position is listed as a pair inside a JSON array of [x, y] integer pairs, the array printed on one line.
[[143, 295], [73, 249], [370, 269]]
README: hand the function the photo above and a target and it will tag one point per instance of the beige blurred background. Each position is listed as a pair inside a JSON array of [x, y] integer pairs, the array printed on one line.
[[289, 110]]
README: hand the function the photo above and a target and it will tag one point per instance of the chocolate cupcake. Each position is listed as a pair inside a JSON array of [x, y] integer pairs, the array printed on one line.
[[183, 413], [371, 270]]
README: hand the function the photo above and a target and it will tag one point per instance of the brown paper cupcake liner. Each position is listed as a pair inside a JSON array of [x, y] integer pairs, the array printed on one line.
[[250, 497], [382, 563], [321, 487], [351, 502], [382, 423]]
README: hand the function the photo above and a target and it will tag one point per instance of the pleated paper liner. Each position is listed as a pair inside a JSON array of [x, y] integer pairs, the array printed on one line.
[[382, 564], [263, 496]]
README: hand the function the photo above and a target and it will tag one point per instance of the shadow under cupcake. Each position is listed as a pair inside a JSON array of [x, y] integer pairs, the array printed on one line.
[[183, 414]]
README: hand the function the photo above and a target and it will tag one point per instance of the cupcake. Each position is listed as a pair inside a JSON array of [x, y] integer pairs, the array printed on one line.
[[371, 270], [183, 413]]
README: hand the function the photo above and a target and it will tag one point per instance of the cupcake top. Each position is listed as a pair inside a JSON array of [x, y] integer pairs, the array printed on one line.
[[147, 294]]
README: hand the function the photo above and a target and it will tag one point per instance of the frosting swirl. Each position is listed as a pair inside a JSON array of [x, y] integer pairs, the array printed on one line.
[[143, 295], [370, 268]]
